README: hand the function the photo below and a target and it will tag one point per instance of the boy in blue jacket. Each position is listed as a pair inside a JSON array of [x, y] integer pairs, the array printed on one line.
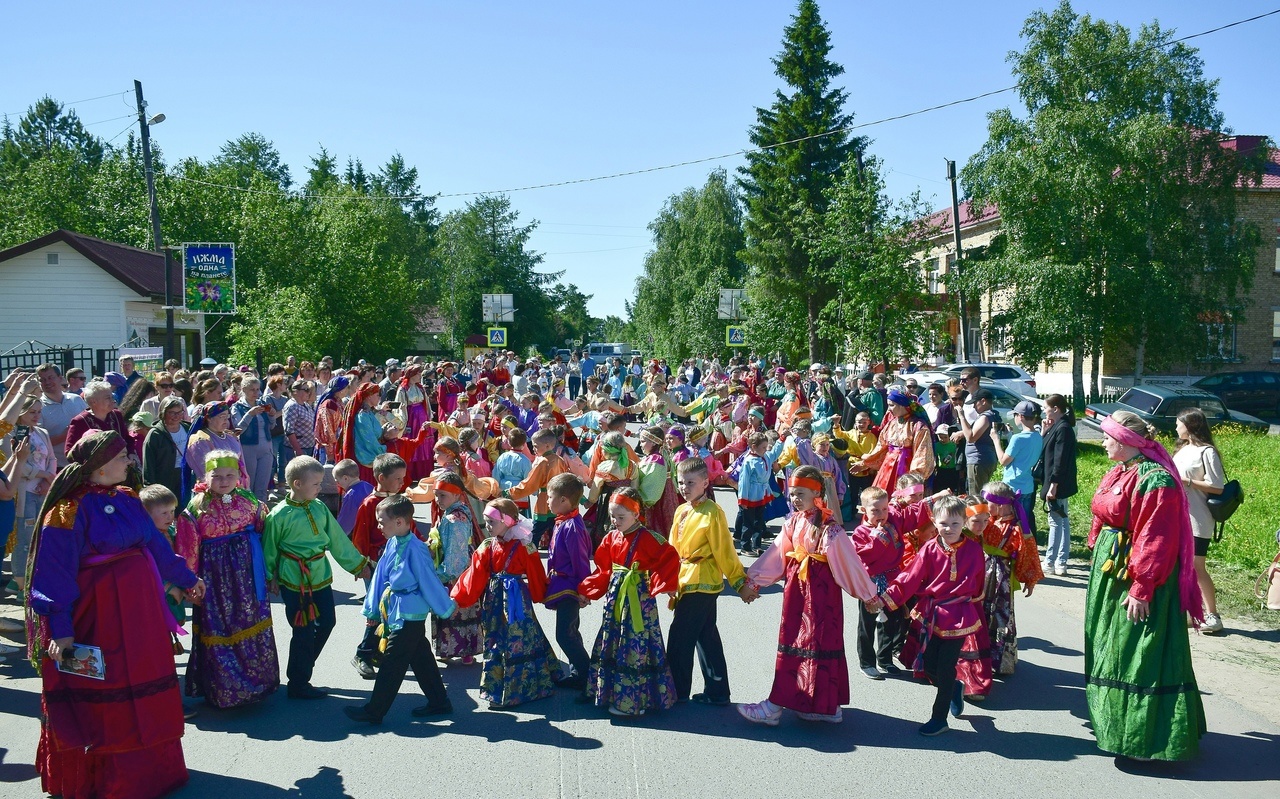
[[403, 591], [754, 491]]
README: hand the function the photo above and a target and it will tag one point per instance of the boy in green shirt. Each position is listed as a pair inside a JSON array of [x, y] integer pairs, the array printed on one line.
[[297, 534]]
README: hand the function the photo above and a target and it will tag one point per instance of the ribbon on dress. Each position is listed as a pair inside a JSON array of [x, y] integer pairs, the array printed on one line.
[[628, 597], [804, 557]]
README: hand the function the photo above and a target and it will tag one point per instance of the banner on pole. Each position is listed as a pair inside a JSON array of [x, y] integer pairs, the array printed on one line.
[[209, 278]]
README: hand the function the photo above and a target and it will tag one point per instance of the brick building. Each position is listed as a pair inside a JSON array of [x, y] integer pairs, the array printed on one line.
[[1247, 337]]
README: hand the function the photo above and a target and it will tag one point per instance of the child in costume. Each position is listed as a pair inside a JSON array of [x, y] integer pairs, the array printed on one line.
[[346, 473], [162, 507], [1012, 561], [617, 470], [297, 536], [656, 483], [947, 576], [403, 591], [816, 559], [700, 535], [546, 465], [568, 564], [452, 541], [755, 491], [514, 465], [506, 577], [974, 667], [629, 674], [389, 472], [362, 430], [233, 653]]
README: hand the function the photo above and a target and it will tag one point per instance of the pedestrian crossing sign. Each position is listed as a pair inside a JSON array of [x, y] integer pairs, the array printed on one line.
[[735, 335], [497, 337]]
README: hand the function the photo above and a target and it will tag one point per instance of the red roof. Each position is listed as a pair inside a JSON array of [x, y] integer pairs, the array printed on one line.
[[141, 270], [1243, 144]]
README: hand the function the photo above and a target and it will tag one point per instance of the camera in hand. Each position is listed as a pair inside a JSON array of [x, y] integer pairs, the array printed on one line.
[[20, 434]]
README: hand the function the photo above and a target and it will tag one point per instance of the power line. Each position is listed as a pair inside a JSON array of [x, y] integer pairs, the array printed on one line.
[[611, 249], [747, 151], [73, 102], [112, 119]]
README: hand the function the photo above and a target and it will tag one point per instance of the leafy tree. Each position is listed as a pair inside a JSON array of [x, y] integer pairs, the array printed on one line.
[[571, 319], [786, 187], [484, 250], [697, 239], [1115, 196], [615, 328], [254, 153], [880, 308]]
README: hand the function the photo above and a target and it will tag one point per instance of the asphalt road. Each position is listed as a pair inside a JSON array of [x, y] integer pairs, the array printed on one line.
[[1031, 738]]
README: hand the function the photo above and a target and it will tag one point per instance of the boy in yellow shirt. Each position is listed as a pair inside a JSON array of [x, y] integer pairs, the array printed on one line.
[[700, 534]]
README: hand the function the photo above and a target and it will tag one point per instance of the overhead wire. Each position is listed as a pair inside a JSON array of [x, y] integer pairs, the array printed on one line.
[[707, 159], [72, 103]]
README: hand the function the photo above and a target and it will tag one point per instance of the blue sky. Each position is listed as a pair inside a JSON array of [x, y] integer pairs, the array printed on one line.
[[484, 96]]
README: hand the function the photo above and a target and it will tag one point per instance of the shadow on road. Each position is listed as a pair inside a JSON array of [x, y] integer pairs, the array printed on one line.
[[15, 772], [326, 784]]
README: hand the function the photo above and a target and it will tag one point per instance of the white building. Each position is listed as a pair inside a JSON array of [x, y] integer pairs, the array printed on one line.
[[66, 291]]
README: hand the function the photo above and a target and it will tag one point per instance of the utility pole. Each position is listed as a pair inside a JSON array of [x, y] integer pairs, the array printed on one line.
[[955, 229], [170, 345]]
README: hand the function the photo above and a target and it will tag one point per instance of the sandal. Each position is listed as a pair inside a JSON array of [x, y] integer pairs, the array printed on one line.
[[760, 714]]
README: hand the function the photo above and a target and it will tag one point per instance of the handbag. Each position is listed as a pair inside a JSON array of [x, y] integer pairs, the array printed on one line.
[[1223, 505], [1267, 587]]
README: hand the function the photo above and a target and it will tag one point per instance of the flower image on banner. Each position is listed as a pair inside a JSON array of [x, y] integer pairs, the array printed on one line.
[[209, 277]]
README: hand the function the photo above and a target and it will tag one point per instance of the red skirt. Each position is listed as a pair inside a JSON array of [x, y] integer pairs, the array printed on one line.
[[811, 674], [659, 516], [120, 737]]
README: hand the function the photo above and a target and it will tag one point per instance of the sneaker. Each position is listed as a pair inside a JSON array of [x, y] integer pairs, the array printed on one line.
[[834, 718], [760, 714], [1212, 624], [891, 670], [934, 727], [872, 673], [306, 691], [708, 699], [365, 670], [1060, 570], [8, 625], [468, 660], [574, 682], [7, 649], [614, 710], [957, 700], [361, 714], [426, 711]]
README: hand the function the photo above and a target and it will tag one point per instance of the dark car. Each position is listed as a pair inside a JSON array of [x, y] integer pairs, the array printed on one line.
[[1159, 407], [1257, 393]]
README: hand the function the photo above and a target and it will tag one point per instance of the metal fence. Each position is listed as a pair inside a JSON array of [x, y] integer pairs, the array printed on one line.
[[31, 354]]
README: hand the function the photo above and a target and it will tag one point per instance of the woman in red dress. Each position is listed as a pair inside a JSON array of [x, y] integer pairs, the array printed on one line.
[[96, 573]]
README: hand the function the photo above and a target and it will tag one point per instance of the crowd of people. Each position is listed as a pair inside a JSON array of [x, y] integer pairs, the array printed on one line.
[[223, 487]]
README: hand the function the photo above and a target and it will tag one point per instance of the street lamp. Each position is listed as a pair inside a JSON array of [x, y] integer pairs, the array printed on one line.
[[144, 125]]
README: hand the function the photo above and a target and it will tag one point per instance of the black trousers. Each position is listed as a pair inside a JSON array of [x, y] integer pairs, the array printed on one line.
[[308, 640], [752, 533], [407, 648], [872, 652], [940, 658], [367, 650], [693, 629], [569, 638]]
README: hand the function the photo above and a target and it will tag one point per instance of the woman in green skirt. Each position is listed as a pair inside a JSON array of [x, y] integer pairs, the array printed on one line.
[[1142, 693]]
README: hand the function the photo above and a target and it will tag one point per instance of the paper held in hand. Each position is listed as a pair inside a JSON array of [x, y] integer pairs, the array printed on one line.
[[85, 661]]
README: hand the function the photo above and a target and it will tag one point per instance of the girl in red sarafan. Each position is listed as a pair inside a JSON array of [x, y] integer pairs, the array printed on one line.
[[816, 559]]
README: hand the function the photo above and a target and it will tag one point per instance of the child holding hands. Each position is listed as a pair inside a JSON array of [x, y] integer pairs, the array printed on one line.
[[403, 591], [947, 577], [816, 559], [506, 576], [629, 673], [568, 564]]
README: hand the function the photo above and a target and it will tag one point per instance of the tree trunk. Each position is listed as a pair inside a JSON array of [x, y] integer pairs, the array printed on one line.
[[1096, 355], [1077, 375], [1140, 357], [814, 307]]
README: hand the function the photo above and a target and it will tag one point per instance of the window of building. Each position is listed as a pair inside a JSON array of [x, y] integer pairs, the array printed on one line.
[[1277, 224], [1220, 334], [1275, 334]]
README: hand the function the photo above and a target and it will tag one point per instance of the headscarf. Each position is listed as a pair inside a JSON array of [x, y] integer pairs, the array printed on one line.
[[619, 454], [899, 397], [336, 384], [349, 428], [411, 371], [208, 411], [93, 451], [1188, 586]]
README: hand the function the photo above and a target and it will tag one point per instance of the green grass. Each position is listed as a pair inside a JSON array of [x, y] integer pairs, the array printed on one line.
[[1247, 545]]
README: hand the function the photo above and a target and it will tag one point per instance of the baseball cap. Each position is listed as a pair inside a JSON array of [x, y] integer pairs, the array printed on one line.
[[1026, 408]]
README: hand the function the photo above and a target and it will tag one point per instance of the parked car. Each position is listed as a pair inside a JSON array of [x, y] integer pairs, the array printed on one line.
[[1004, 375], [1257, 393], [1159, 407], [1002, 400]]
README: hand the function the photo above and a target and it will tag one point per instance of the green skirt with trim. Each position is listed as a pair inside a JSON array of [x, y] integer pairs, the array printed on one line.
[[1141, 689]]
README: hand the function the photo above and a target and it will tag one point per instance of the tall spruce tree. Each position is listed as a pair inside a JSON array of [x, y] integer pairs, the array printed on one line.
[[786, 190]]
